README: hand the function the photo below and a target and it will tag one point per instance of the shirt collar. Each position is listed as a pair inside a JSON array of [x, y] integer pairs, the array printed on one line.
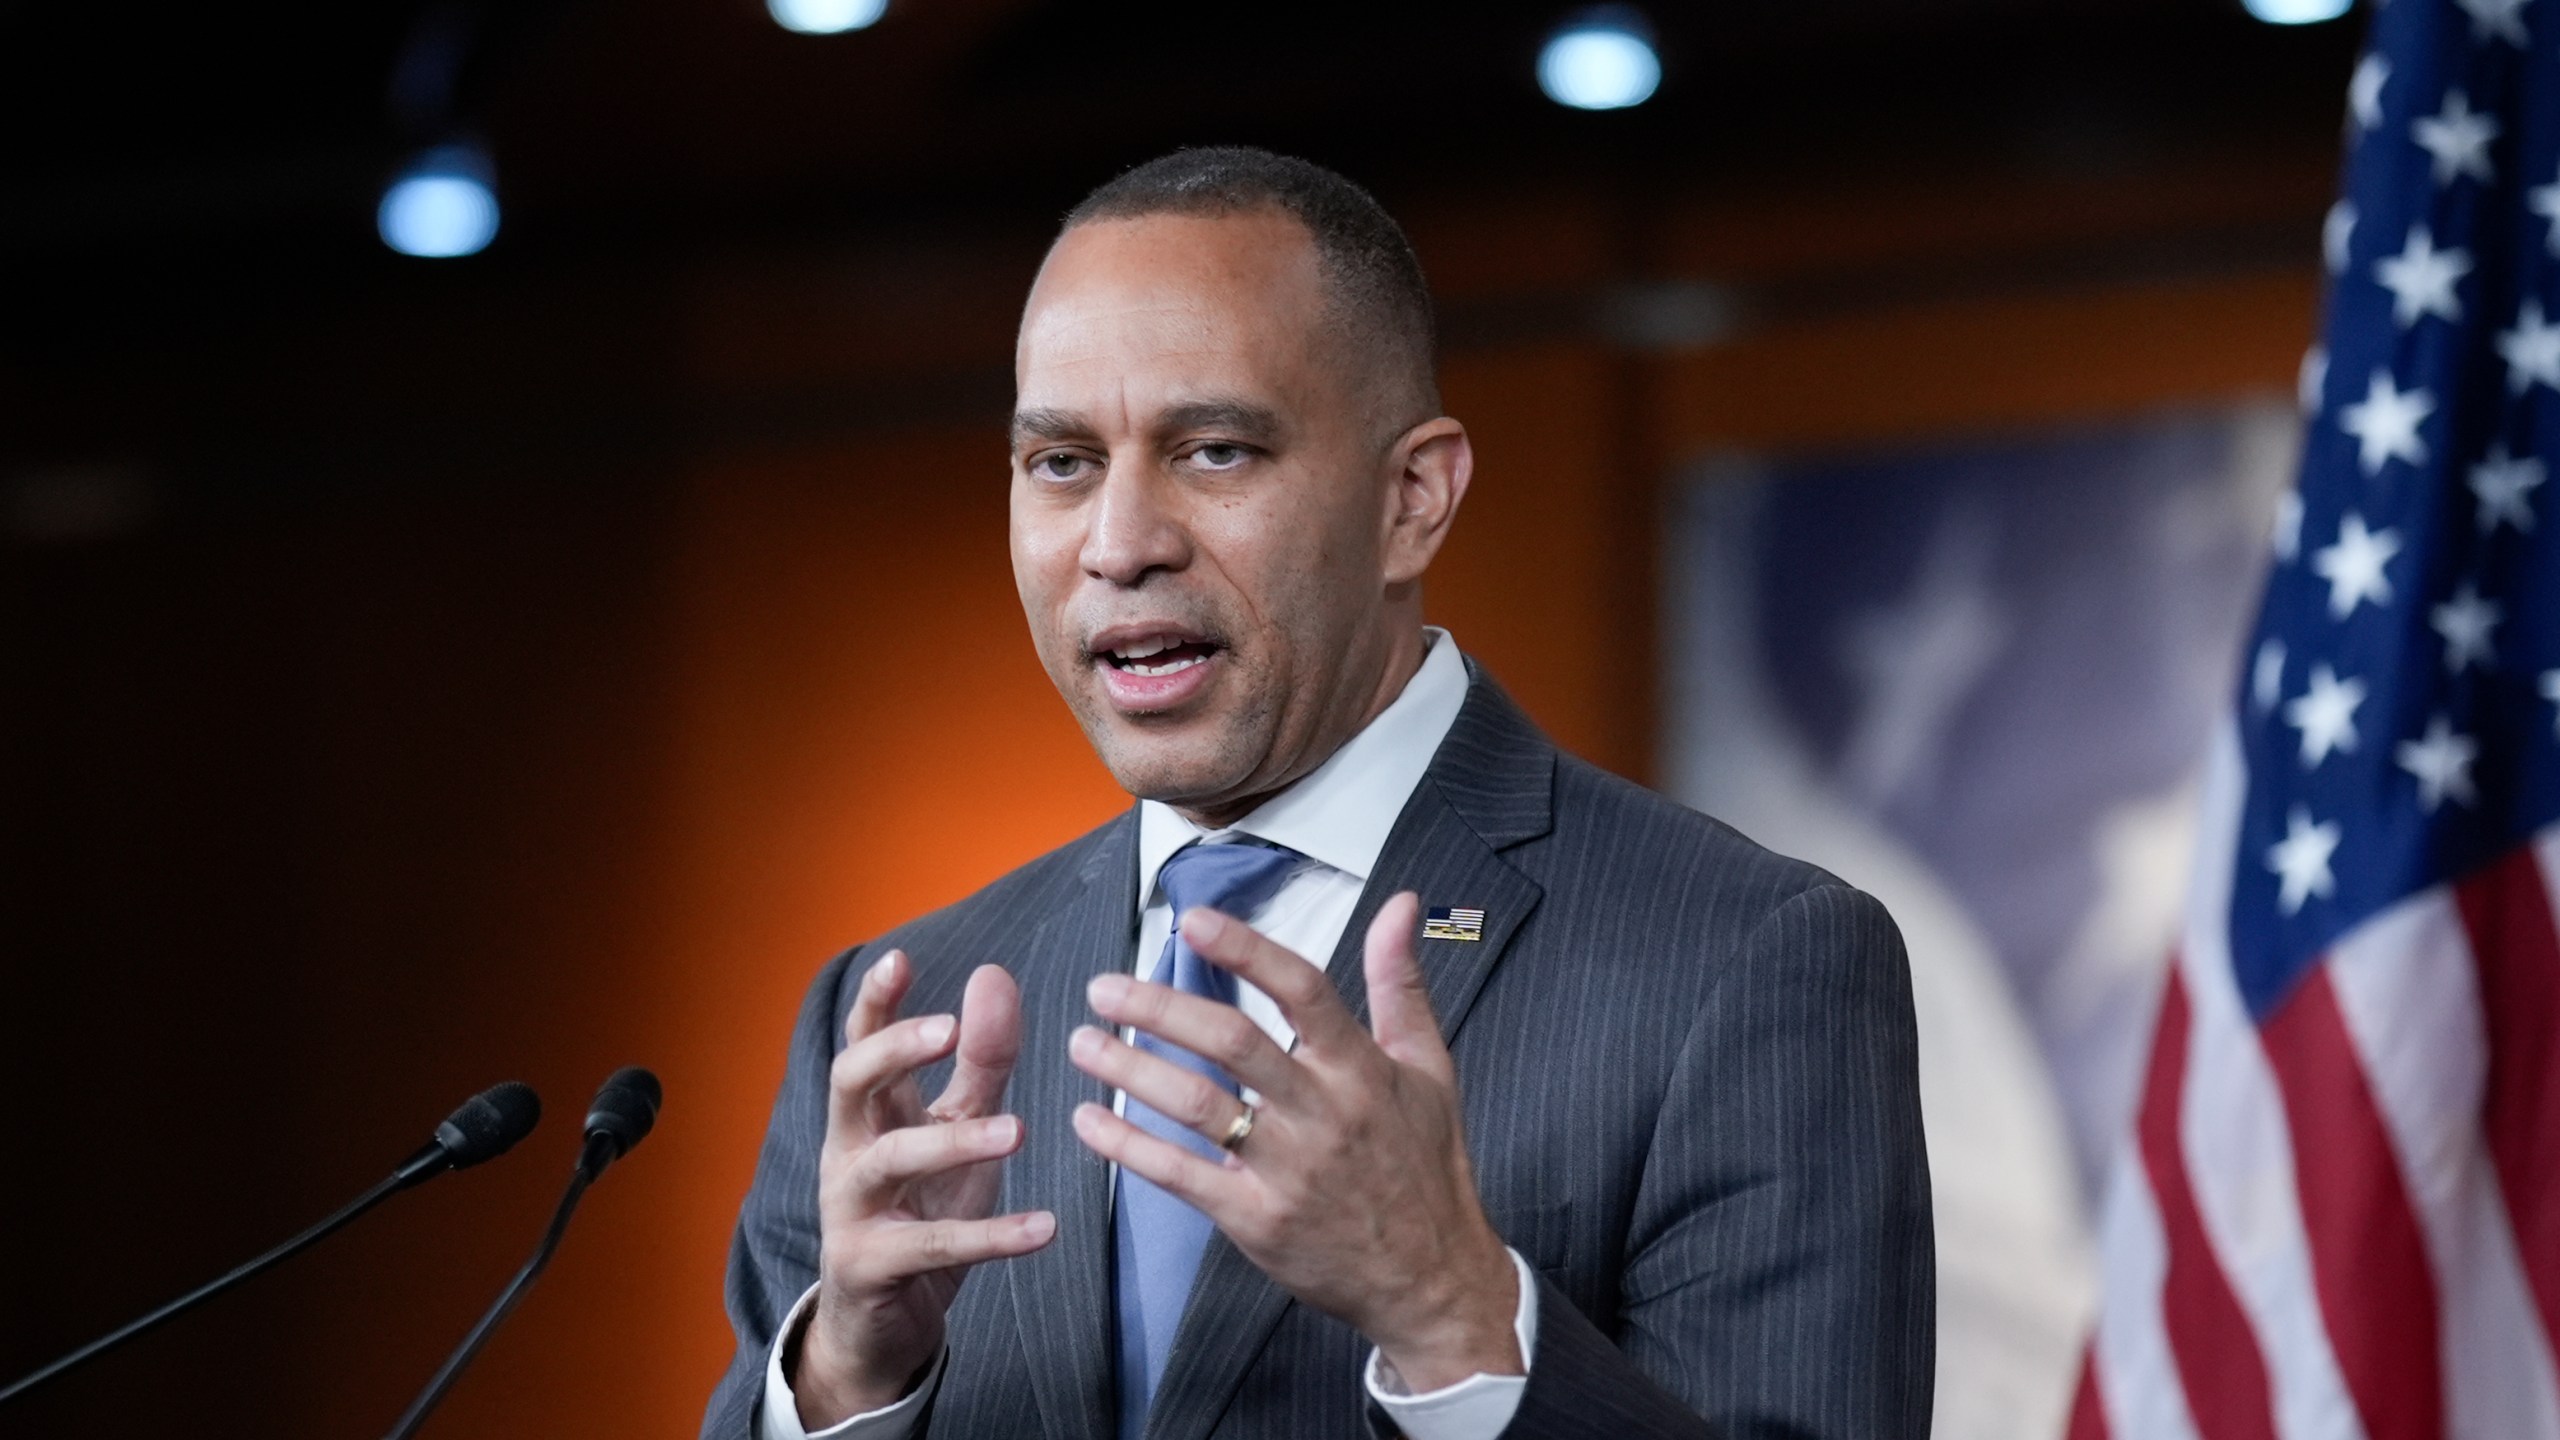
[[1341, 812]]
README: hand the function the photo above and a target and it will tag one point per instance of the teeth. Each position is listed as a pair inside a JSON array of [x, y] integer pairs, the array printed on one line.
[[1175, 667], [1144, 648]]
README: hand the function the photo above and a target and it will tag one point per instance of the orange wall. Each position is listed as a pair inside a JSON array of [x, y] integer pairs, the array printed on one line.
[[1992, 363]]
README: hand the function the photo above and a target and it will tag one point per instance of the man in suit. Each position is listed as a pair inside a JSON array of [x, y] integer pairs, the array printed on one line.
[[1383, 1069]]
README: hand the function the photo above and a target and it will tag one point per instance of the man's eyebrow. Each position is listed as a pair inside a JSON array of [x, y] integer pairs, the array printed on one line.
[[1238, 418], [1037, 424]]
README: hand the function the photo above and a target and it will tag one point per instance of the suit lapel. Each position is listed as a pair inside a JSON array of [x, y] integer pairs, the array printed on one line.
[[1489, 787], [1062, 1294]]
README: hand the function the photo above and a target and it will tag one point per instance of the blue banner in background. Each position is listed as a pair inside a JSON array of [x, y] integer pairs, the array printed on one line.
[[1978, 680]]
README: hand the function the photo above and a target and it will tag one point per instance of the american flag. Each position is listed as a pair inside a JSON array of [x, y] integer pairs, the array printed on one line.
[[1446, 922], [2338, 1216]]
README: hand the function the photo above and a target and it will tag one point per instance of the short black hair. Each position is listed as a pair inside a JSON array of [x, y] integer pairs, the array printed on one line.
[[1380, 297]]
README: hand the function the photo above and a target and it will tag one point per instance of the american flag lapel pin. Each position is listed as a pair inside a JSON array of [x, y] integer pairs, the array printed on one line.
[[1452, 922]]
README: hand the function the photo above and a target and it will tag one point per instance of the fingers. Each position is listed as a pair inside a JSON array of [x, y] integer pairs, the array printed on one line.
[[1186, 1096], [1211, 1185], [1218, 1033], [917, 1151], [869, 1071], [899, 1249], [1399, 1003], [990, 1040], [1301, 990], [875, 1001]]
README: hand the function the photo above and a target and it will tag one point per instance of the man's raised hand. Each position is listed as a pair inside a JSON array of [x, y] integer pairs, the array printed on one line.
[[905, 1189], [1353, 1190]]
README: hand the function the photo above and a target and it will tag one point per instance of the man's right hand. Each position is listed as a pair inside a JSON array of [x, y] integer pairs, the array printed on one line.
[[904, 1190]]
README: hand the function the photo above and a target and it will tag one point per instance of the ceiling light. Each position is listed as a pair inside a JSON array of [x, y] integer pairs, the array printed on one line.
[[2296, 12], [826, 17], [1600, 60], [443, 205]]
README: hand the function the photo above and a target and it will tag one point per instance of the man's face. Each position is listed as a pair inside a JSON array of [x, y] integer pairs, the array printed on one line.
[[1201, 504]]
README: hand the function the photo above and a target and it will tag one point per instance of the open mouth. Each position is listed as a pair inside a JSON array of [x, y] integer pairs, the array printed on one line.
[[1156, 656]]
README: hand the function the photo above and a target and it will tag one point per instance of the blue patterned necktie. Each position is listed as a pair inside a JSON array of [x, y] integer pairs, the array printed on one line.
[[1160, 1238]]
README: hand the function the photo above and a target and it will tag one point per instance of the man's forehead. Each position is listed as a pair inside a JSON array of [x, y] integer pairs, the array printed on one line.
[[1174, 323], [1236, 247], [1173, 280]]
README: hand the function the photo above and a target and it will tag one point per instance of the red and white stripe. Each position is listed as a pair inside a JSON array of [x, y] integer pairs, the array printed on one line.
[[2343, 1223]]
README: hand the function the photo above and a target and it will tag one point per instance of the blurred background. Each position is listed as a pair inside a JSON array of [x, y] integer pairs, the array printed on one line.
[[541, 650]]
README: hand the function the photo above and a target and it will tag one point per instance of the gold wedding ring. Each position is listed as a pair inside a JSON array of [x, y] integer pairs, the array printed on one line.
[[1237, 1130]]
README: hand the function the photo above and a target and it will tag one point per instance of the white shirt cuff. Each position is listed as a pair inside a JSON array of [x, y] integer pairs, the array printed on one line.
[[1479, 1407], [781, 1419]]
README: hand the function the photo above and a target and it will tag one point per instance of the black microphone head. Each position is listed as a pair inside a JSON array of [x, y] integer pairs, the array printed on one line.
[[490, 1123], [625, 1109]]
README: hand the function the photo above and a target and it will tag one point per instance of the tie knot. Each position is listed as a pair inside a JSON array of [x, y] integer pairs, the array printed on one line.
[[1234, 879]]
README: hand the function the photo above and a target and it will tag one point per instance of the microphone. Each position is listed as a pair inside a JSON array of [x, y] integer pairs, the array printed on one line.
[[485, 1127], [625, 1110]]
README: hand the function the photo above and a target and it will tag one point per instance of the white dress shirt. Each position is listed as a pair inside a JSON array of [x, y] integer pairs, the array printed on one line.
[[1338, 817]]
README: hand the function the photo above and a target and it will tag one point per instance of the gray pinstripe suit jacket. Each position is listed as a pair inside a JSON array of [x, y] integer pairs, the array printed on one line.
[[1688, 1076]]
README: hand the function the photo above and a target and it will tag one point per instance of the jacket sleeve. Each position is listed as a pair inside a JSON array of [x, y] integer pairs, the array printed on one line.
[[1779, 1277], [773, 1256]]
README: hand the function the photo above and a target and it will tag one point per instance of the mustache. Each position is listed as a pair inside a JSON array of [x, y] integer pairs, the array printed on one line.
[[1097, 636]]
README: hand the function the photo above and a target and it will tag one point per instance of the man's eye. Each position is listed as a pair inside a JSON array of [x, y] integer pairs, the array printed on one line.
[[1217, 455], [1058, 466]]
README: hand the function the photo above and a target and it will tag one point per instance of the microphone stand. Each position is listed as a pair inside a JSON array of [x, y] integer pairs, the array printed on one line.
[[600, 1151], [421, 1166]]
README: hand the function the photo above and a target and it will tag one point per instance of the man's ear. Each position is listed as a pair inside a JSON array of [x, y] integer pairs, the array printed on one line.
[[1432, 464]]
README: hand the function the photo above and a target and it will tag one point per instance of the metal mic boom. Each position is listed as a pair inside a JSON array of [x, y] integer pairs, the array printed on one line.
[[485, 1127], [625, 1110]]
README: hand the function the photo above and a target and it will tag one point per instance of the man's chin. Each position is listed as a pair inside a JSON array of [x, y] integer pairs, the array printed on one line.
[[1183, 766]]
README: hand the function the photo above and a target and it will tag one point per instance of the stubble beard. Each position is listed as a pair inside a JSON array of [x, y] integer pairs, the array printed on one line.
[[1195, 763]]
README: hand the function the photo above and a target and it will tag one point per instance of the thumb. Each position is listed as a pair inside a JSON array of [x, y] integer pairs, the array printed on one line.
[[1399, 1007], [990, 1040]]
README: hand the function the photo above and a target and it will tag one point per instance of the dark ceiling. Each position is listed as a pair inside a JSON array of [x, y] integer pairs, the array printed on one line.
[[169, 135], [187, 192]]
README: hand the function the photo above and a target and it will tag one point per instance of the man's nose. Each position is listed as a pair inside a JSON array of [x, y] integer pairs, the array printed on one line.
[[1134, 526]]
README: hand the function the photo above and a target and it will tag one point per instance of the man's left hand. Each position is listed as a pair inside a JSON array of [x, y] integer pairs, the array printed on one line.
[[1353, 1191]]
